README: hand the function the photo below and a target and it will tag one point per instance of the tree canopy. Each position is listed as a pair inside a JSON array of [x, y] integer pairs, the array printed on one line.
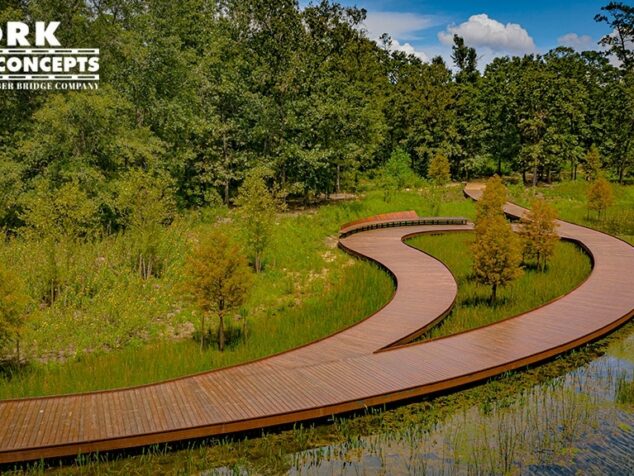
[[218, 279], [195, 94], [539, 232]]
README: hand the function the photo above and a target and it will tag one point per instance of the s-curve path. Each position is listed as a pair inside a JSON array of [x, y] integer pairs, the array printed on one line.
[[355, 368]]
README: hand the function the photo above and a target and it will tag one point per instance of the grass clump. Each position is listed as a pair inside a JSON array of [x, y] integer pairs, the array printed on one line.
[[568, 267], [625, 390]]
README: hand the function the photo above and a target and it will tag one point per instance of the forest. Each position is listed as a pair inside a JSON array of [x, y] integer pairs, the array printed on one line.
[[195, 94]]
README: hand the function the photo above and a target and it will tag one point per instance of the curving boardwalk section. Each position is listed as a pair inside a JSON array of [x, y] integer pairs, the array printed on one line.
[[355, 368]]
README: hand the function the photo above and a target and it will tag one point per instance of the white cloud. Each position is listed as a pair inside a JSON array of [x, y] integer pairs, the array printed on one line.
[[482, 31], [409, 49], [401, 25], [577, 42]]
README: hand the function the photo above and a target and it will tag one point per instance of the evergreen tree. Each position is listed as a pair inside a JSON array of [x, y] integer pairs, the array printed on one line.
[[538, 232], [257, 207], [439, 169], [219, 279], [497, 253], [600, 196], [492, 201], [621, 21]]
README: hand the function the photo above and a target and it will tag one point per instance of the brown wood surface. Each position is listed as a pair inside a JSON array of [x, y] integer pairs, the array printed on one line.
[[352, 369]]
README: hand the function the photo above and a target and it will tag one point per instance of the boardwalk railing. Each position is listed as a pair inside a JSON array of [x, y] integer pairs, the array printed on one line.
[[375, 225]]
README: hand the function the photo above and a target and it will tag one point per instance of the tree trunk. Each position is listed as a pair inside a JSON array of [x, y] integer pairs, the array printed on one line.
[[524, 176], [258, 262], [226, 198], [500, 166], [535, 175], [338, 178], [494, 292], [221, 331], [202, 331]]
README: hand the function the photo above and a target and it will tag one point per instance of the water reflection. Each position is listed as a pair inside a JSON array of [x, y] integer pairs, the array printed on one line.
[[572, 424]]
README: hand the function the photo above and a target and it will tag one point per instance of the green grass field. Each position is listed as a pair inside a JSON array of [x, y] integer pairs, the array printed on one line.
[[569, 198], [567, 269]]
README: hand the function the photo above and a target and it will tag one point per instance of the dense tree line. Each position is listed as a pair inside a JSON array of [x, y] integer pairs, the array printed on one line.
[[195, 94]]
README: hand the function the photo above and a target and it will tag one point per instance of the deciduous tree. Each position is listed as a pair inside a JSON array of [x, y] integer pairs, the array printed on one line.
[[219, 279], [593, 163], [492, 200], [396, 173]]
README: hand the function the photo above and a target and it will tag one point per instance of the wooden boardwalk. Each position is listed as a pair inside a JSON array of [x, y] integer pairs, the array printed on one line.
[[355, 368]]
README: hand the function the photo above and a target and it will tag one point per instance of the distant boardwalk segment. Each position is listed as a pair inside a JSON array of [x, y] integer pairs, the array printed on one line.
[[366, 364]]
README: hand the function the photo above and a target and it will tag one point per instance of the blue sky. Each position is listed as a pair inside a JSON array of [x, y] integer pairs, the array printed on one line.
[[494, 28]]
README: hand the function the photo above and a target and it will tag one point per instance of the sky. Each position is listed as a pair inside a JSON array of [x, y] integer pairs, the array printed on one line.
[[494, 28]]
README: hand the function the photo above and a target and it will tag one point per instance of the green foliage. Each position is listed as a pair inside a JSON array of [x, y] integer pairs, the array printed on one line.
[[13, 302], [496, 253], [539, 233], [600, 196], [621, 22], [199, 93], [67, 211], [257, 207], [569, 266], [218, 279], [397, 173], [465, 59], [571, 202], [143, 203], [438, 170], [593, 163], [109, 327]]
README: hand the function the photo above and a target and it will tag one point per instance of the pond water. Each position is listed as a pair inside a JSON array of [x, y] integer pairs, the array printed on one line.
[[580, 422]]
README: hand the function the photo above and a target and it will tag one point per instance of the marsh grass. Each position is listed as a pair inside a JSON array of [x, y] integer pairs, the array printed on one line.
[[108, 326], [570, 200], [362, 288], [625, 389], [537, 426], [568, 267]]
